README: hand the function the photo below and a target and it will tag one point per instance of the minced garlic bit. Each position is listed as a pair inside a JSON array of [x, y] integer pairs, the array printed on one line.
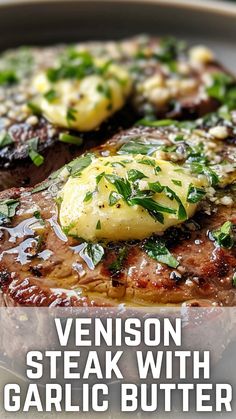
[[227, 200], [201, 55], [219, 132], [160, 90]]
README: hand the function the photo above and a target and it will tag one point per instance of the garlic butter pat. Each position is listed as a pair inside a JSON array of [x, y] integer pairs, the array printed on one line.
[[82, 93], [128, 197]]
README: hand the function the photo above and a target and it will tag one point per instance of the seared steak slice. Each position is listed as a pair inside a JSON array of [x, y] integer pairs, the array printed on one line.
[[167, 82], [40, 266]]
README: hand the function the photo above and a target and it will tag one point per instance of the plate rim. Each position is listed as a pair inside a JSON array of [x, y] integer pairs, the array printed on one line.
[[217, 7]]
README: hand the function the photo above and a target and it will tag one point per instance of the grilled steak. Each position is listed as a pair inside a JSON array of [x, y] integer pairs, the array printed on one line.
[[41, 266], [169, 80]]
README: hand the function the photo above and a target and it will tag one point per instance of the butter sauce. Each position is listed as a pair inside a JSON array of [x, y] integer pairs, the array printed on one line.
[[23, 229], [24, 256]]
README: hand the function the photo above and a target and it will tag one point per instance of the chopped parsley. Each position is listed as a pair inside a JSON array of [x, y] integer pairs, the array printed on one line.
[[182, 214], [122, 186], [201, 168], [8, 209], [159, 123], [176, 182], [8, 77], [167, 123], [157, 169], [88, 196], [35, 109], [76, 166], [36, 158], [136, 147], [51, 95], [5, 139], [98, 226], [127, 189], [116, 266], [70, 139], [105, 90], [156, 249], [71, 115], [92, 253], [224, 235], [134, 175], [74, 65], [99, 177], [38, 216], [195, 194], [114, 197], [154, 209], [148, 162], [179, 138], [223, 88], [158, 188]]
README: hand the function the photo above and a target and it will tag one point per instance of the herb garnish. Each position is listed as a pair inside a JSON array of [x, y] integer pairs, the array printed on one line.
[[122, 186], [206, 170], [154, 209], [223, 88], [70, 139], [36, 158], [8, 77], [71, 115], [136, 147], [92, 253], [158, 123], [38, 216], [176, 182], [98, 226], [158, 188], [105, 90], [116, 266], [74, 65], [99, 177], [76, 166], [7, 209], [224, 235], [88, 196], [51, 95], [157, 250], [114, 197], [5, 139], [35, 109], [134, 175], [166, 123], [195, 194], [147, 161]]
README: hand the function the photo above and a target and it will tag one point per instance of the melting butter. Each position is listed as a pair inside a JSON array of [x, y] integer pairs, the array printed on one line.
[[126, 198], [83, 104]]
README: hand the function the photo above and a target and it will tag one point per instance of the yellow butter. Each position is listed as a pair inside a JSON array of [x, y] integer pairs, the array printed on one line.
[[86, 212], [92, 99]]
